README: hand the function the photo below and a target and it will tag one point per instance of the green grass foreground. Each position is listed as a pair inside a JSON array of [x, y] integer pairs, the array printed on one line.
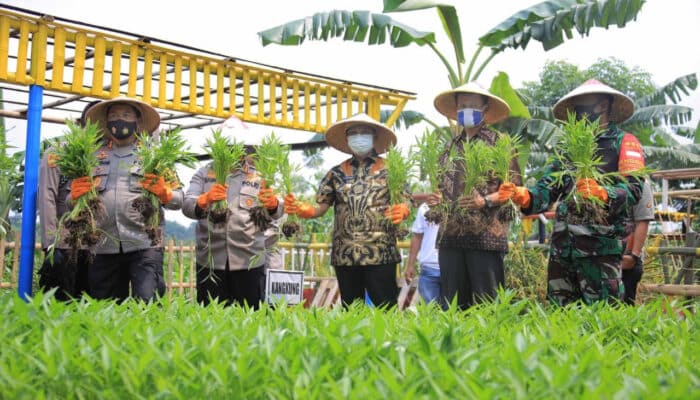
[[505, 350]]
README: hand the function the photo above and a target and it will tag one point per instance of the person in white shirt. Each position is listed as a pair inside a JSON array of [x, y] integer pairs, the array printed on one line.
[[423, 250]]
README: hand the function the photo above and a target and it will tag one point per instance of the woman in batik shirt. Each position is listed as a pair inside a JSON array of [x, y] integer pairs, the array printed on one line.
[[364, 252]]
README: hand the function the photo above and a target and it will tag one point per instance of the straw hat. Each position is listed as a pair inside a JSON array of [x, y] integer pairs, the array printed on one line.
[[337, 138], [621, 109], [150, 119], [446, 104]]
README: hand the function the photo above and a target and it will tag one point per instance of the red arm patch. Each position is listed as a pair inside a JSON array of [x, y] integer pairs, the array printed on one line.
[[631, 155]]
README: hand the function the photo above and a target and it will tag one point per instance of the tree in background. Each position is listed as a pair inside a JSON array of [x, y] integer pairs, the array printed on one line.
[[548, 22], [558, 78]]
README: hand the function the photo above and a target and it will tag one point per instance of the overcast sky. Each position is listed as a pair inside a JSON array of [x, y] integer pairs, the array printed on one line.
[[663, 41]]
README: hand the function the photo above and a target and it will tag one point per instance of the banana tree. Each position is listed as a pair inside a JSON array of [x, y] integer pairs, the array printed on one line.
[[548, 22]]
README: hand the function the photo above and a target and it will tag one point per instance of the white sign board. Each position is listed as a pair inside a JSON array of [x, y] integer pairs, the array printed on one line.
[[284, 286]]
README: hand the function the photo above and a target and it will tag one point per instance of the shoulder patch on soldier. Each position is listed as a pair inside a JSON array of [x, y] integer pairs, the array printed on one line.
[[631, 155], [102, 154], [211, 174]]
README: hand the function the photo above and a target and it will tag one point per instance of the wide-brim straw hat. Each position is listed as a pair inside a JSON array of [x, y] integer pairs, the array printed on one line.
[[621, 109], [446, 103], [150, 119], [336, 134]]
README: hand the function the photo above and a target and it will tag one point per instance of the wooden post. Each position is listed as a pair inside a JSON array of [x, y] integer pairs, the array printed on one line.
[[664, 264], [686, 271], [15, 259], [181, 275], [169, 274], [3, 243], [193, 275]]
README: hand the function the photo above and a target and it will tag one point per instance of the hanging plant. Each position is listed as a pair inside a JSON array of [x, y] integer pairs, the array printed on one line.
[[287, 170], [269, 155], [577, 149], [76, 157], [227, 156], [399, 172], [502, 153], [159, 155]]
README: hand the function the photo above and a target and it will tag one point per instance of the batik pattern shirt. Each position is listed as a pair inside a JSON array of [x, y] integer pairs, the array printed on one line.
[[358, 191]]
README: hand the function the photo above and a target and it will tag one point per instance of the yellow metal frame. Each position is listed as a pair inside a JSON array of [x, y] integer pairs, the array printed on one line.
[[79, 61]]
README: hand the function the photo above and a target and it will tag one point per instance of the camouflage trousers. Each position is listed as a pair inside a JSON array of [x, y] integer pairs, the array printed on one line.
[[590, 279]]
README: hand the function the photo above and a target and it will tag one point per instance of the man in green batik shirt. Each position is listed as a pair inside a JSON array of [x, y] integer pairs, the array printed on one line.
[[584, 260]]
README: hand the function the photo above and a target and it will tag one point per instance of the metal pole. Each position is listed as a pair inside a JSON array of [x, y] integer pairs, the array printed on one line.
[[31, 179]]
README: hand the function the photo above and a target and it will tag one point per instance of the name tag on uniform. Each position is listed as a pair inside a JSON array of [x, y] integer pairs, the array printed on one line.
[[284, 286]]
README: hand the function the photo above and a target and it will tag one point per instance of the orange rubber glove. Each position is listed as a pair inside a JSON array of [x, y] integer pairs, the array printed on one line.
[[156, 185], [397, 213], [590, 188], [521, 197], [268, 199], [506, 191], [305, 210], [80, 186], [290, 204], [216, 193]]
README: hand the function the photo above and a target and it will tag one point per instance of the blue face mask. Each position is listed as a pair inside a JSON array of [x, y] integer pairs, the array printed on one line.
[[469, 117]]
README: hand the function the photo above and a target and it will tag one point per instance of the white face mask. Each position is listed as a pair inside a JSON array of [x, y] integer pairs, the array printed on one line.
[[469, 117], [361, 144]]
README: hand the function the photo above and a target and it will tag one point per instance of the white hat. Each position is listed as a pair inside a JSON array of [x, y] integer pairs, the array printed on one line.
[[621, 109], [150, 118], [336, 134], [446, 103]]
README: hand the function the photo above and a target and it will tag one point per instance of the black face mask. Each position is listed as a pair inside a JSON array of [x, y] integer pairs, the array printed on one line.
[[586, 112], [121, 129]]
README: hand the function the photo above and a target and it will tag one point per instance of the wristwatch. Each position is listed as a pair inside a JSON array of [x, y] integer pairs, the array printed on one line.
[[636, 258], [488, 202]]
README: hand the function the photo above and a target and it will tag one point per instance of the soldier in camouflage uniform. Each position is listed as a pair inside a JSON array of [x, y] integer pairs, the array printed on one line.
[[584, 260], [69, 278], [127, 256]]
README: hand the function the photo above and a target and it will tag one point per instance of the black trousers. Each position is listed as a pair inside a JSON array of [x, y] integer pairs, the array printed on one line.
[[69, 278], [378, 280], [631, 278], [471, 275], [110, 275], [230, 287]]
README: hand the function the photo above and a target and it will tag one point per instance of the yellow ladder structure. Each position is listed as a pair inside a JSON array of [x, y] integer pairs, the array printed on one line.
[[54, 64], [80, 60]]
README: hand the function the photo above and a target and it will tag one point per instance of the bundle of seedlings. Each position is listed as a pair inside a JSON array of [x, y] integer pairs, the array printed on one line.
[[76, 157], [399, 172], [428, 149], [227, 156], [502, 153], [159, 156], [287, 170], [477, 161], [577, 150], [269, 155]]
